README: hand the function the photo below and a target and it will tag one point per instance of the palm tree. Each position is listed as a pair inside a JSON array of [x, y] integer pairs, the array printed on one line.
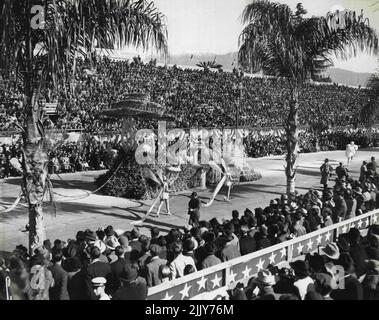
[[370, 112], [283, 44], [206, 65], [42, 50]]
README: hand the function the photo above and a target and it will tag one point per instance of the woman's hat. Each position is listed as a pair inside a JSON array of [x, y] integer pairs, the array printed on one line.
[[331, 250], [265, 278]]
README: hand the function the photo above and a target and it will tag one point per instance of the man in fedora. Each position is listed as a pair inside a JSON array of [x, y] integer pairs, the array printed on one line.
[[304, 283], [99, 288], [117, 267], [152, 268], [133, 287], [326, 172], [96, 268], [265, 282]]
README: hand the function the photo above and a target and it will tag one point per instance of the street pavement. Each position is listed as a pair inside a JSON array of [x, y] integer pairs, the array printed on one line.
[[78, 209]]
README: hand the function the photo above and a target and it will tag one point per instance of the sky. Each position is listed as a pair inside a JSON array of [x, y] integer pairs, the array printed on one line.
[[213, 26]]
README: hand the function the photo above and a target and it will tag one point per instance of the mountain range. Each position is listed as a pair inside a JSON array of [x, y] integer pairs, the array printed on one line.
[[229, 61]]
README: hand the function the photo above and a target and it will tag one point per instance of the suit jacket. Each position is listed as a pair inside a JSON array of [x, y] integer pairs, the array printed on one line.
[[116, 268], [359, 255], [59, 291], [136, 290], [152, 271], [98, 269], [247, 244], [76, 286], [353, 290]]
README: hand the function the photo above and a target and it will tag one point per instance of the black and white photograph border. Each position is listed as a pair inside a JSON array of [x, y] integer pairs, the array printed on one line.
[[204, 150]]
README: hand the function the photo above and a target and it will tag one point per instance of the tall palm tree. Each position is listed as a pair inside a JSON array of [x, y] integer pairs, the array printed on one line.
[[370, 112], [285, 44], [42, 51]]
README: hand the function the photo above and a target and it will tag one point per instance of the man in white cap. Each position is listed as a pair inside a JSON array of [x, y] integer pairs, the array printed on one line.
[[99, 288]]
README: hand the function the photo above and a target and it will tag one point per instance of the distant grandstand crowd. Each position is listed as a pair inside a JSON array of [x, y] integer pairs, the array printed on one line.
[[197, 99]]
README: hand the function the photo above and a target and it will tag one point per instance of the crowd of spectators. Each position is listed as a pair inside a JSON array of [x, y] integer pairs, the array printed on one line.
[[115, 264]]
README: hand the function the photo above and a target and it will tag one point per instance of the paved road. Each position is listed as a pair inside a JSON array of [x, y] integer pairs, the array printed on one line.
[[92, 211]]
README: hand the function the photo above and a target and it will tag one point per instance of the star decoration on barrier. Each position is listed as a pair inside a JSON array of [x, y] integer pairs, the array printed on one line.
[[366, 222], [260, 264], [344, 229], [216, 281], [283, 253], [246, 272], [202, 283], [359, 224], [232, 276], [185, 291], [319, 238], [167, 297], [352, 225], [327, 236], [272, 258], [310, 244], [374, 218], [300, 248]]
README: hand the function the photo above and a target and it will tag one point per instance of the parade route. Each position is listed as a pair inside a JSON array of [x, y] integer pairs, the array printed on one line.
[[78, 209]]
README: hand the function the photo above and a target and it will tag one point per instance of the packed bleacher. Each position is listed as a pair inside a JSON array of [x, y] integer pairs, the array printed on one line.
[[111, 263]]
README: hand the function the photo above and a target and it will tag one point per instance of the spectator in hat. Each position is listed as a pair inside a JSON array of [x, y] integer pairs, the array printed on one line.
[[372, 167], [152, 268], [96, 269], [180, 261], [188, 249], [154, 232], [285, 283], [229, 249], [59, 291], [76, 285], [265, 282], [135, 244], [262, 238], [189, 269], [247, 242], [133, 287], [357, 251], [370, 283], [210, 259], [117, 267], [331, 254], [98, 285], [322, 286], [124, 242], [237, 293], [298, 227], [349, 286], [304, 283], [111, 244], [145, 254]]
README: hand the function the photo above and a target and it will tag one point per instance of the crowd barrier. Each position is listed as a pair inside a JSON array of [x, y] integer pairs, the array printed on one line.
[[213, 283]]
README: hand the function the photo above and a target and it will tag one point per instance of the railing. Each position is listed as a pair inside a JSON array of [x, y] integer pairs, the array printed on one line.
[[212, 283]]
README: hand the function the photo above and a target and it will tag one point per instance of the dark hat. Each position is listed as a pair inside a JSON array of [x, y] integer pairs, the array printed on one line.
[[135, 233], [343, 245], [128, 274], [155, 249], [80, 236], [316, 262], [91, 236], [300, 267], [347, 262], [323, 283]]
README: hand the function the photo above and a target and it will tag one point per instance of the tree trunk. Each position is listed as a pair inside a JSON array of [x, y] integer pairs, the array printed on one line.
[[292, 140], [34, 162]]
